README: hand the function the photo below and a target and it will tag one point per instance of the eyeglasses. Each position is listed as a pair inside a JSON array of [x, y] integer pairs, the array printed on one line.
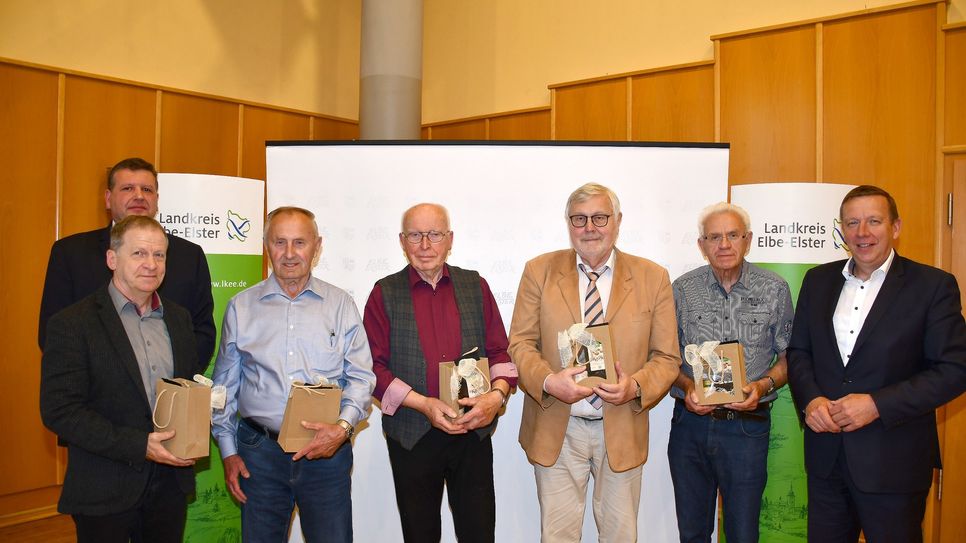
[[417, 237], [715, 239], [580, 221]]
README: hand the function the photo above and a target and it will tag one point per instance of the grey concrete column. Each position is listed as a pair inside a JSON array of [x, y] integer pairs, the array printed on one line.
[[391, 69]]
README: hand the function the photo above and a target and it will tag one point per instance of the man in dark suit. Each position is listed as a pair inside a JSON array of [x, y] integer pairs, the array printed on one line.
[[99, 371], [878, 343], [76, 266]]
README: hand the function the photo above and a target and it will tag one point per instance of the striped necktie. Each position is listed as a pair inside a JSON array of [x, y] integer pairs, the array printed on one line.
[[593, 313], [593, 306]]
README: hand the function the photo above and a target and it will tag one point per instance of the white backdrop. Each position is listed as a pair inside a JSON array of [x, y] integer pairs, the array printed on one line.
[[506, 205]]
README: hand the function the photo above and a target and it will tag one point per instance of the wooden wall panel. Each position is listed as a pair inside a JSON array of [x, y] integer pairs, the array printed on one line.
[[261, 125], [768, 105], [955, 110], [198, 135], [331, 129], [104, 122], [529, 125], [592, 111], [463, 130], [880, 114], [676, 105], [28, 154]]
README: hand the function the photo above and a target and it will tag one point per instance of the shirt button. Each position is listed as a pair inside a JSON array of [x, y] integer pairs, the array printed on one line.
[[726, 318], [149, 343], [851, 331], [290, 353], [291, 327]]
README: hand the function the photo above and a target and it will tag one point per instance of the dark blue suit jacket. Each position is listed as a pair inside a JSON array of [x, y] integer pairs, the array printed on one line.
[[92, 397], [910, 355], [78, 267]]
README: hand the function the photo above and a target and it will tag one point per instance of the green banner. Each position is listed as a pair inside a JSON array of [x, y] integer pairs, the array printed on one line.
[[213, 516], [784, 504]]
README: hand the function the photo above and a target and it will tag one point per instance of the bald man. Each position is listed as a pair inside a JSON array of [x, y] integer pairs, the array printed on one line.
[[427, 313]]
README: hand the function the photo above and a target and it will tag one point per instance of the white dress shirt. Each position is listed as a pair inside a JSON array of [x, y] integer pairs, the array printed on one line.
[[854, 303], [584, 408]]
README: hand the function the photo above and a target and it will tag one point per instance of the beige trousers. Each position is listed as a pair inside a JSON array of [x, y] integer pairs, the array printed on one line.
[[562, 489]]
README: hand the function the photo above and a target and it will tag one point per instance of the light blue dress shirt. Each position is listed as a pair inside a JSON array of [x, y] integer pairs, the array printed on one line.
[[269, 341]]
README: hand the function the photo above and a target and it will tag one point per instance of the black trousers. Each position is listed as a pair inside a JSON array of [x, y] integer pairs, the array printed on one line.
[[159, 517], [464, 463], [837, 510]]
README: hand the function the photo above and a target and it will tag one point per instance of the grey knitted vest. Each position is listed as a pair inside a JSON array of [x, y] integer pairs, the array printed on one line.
[[406, 359]]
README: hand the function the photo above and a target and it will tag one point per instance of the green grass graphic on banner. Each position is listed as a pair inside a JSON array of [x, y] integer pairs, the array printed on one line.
[[213, 517], [784, 505]]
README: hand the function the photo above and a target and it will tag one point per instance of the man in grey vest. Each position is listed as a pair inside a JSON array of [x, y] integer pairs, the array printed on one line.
[[426, 314]]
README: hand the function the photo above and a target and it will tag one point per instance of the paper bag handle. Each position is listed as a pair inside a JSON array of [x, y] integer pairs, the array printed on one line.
[[154, 413]]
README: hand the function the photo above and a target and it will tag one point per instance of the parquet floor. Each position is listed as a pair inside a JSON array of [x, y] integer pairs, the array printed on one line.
[[59, 529]]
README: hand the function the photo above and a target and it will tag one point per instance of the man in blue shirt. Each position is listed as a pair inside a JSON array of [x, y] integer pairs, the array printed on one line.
[[726, 447], [290, 327]]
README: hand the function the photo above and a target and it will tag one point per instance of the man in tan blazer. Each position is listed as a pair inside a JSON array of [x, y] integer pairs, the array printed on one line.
[[569, 431]]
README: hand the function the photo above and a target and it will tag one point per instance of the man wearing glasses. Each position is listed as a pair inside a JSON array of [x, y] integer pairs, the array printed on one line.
[[726, 447], [426, 314], [569, 431]]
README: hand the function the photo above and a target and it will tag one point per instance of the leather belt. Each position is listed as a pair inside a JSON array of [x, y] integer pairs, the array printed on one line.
[[721, 413], [261, 429]]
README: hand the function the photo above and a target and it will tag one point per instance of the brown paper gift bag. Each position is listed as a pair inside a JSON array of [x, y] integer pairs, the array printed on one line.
[[311, 403], [446, 371], [185, 407]]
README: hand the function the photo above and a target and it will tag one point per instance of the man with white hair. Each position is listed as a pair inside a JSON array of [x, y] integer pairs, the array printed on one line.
[[725, 447], [571, 432]]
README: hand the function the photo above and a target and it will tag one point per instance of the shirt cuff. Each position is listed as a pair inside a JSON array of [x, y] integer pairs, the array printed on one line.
[[393, 397], [506, 371], [227, 446]]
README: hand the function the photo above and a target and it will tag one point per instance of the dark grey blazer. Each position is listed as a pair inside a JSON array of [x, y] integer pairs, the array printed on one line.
[[910, 355], [92, 397], [78, 267]]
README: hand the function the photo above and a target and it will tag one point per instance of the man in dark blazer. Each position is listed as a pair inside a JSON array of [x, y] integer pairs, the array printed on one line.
[[100, 366], [878, 343], [76, 267]]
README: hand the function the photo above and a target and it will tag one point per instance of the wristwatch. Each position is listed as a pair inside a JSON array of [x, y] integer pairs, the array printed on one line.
[[771, 388], [506, 398], [349, 429]]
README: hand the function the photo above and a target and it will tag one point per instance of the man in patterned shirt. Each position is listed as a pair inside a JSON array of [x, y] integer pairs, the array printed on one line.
[[726, 447]]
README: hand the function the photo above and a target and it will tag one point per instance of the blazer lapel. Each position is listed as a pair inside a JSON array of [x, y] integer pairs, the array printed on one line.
[[567, 282], [883, 301], [179, 346], [831, 300], [620, 286], [119, 340]]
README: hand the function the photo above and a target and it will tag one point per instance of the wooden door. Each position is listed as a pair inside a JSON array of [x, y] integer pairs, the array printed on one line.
[[952, 525]]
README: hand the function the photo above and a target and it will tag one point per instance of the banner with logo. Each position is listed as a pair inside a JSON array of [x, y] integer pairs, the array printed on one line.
[[224, 216], [796, 226]]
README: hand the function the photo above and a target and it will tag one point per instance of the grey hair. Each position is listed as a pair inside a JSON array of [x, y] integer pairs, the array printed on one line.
[[723, 207], [588, 191], [289, 210], [440, 207]]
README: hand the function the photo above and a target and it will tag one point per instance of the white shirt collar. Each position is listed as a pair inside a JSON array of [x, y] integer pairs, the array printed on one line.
[[880, 271]]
